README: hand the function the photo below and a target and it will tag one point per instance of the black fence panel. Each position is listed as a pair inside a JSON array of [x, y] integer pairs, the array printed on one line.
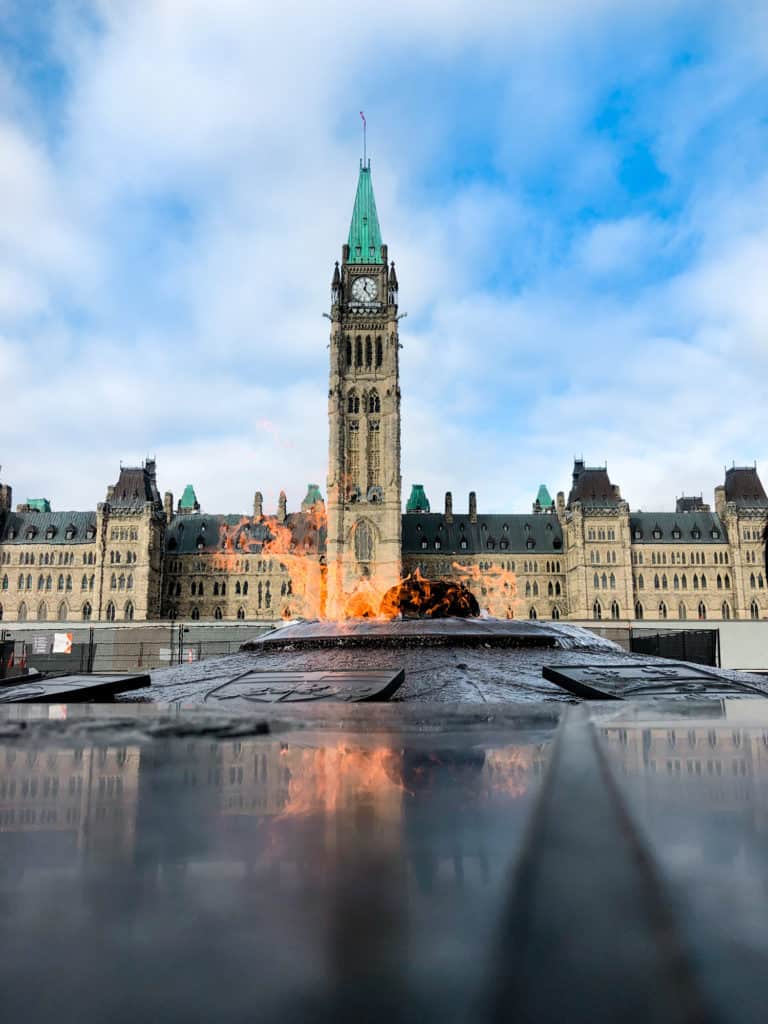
[[700, 646]]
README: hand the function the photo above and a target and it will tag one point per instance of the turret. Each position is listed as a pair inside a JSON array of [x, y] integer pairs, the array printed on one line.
[[392, 286], [168, 506], [258, 505], [336, 286], [313, 497]]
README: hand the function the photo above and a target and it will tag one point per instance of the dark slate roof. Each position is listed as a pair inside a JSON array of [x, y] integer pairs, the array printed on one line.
[[543, 530], [744, 487], [592, 486], [134, 487], [691, 503], [688, 523], [20, 522], [241, 534]]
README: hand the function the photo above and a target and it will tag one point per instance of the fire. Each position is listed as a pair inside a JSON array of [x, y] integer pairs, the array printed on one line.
[[302, 587]]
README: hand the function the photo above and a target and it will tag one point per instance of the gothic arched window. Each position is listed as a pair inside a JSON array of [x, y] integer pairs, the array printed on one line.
[[379, 353], [364, 542], [368, 352], [662, 610], [358, 351], [615, 609], [597, 610], [682, 612], [638, 610], [87, 612], [353, 402], [110, 612], [754, 611]]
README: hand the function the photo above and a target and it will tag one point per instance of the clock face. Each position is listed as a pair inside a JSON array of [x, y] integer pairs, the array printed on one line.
[[364, 289]]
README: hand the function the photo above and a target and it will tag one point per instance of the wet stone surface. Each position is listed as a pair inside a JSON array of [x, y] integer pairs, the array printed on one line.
[[445, 661], [539, 862]]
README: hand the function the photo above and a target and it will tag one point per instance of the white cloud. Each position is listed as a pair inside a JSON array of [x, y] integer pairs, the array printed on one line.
[[167, 257]]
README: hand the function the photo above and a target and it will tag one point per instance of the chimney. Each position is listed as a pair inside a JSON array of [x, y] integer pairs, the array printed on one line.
[[281, 508], [6, 497], [720, 501], [258, 505], [168, 506], [448, 507], [110, 492], [560, 501], [472, 507]]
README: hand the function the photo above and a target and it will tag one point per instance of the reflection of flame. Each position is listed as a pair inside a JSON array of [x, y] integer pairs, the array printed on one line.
[[508, 769], [338, 778], [304, 584]]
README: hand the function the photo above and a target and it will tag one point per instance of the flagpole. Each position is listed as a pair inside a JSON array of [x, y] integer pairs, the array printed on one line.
[[365, 148]]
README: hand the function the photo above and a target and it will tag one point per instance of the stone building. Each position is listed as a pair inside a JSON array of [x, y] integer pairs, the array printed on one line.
[[585, 557]]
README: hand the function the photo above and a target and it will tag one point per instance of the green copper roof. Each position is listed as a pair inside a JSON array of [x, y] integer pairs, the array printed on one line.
[[364, 231], [313, 496], [188, 498], [418, 501], [39, 504], [543, 497]]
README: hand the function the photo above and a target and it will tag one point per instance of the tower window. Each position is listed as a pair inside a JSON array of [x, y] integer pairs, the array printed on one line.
[[379, 353]]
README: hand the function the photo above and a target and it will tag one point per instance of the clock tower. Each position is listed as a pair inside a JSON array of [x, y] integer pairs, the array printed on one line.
[[364, 509]]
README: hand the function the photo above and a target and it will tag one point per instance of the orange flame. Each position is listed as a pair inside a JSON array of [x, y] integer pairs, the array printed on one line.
[[301, 576]]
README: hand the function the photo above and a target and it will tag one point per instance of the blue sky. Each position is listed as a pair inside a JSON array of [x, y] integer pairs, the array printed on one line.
[[575, 194]]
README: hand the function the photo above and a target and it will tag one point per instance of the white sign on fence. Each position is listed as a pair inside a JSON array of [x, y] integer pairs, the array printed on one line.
[[62, 643]]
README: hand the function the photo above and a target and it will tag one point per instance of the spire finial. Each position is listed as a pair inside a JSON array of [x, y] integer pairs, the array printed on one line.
[[365, 128]]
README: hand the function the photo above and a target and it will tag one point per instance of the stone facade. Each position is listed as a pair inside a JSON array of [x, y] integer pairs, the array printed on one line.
[[585, 557], [364, 502]]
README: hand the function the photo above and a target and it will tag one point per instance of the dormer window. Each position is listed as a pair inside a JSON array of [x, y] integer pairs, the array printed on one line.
[[50, 533], [638, 534], [424, 543], [70, 532], [530, 543], [504, 543], [676, 534], [696, 533], [491, 545], [438, 544], [200, 543], [656, 533], [31, 531], [463, 543], [715, 534], [90, 533], [506, 527]]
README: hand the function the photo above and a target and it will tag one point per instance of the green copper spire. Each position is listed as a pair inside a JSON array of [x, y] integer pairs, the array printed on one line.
[[188, 501], [364, 231], [418, 501], [39, 504], [543, 498]]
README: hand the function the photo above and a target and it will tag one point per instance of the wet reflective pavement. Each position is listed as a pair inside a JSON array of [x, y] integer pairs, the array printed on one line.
[[385, 862]]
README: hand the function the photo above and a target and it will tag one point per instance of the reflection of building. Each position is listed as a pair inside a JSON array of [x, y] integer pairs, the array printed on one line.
[[587, 557], [86, 795], [718, 766]]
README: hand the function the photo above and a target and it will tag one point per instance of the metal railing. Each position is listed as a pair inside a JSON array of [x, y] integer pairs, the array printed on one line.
[[700, 646]]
